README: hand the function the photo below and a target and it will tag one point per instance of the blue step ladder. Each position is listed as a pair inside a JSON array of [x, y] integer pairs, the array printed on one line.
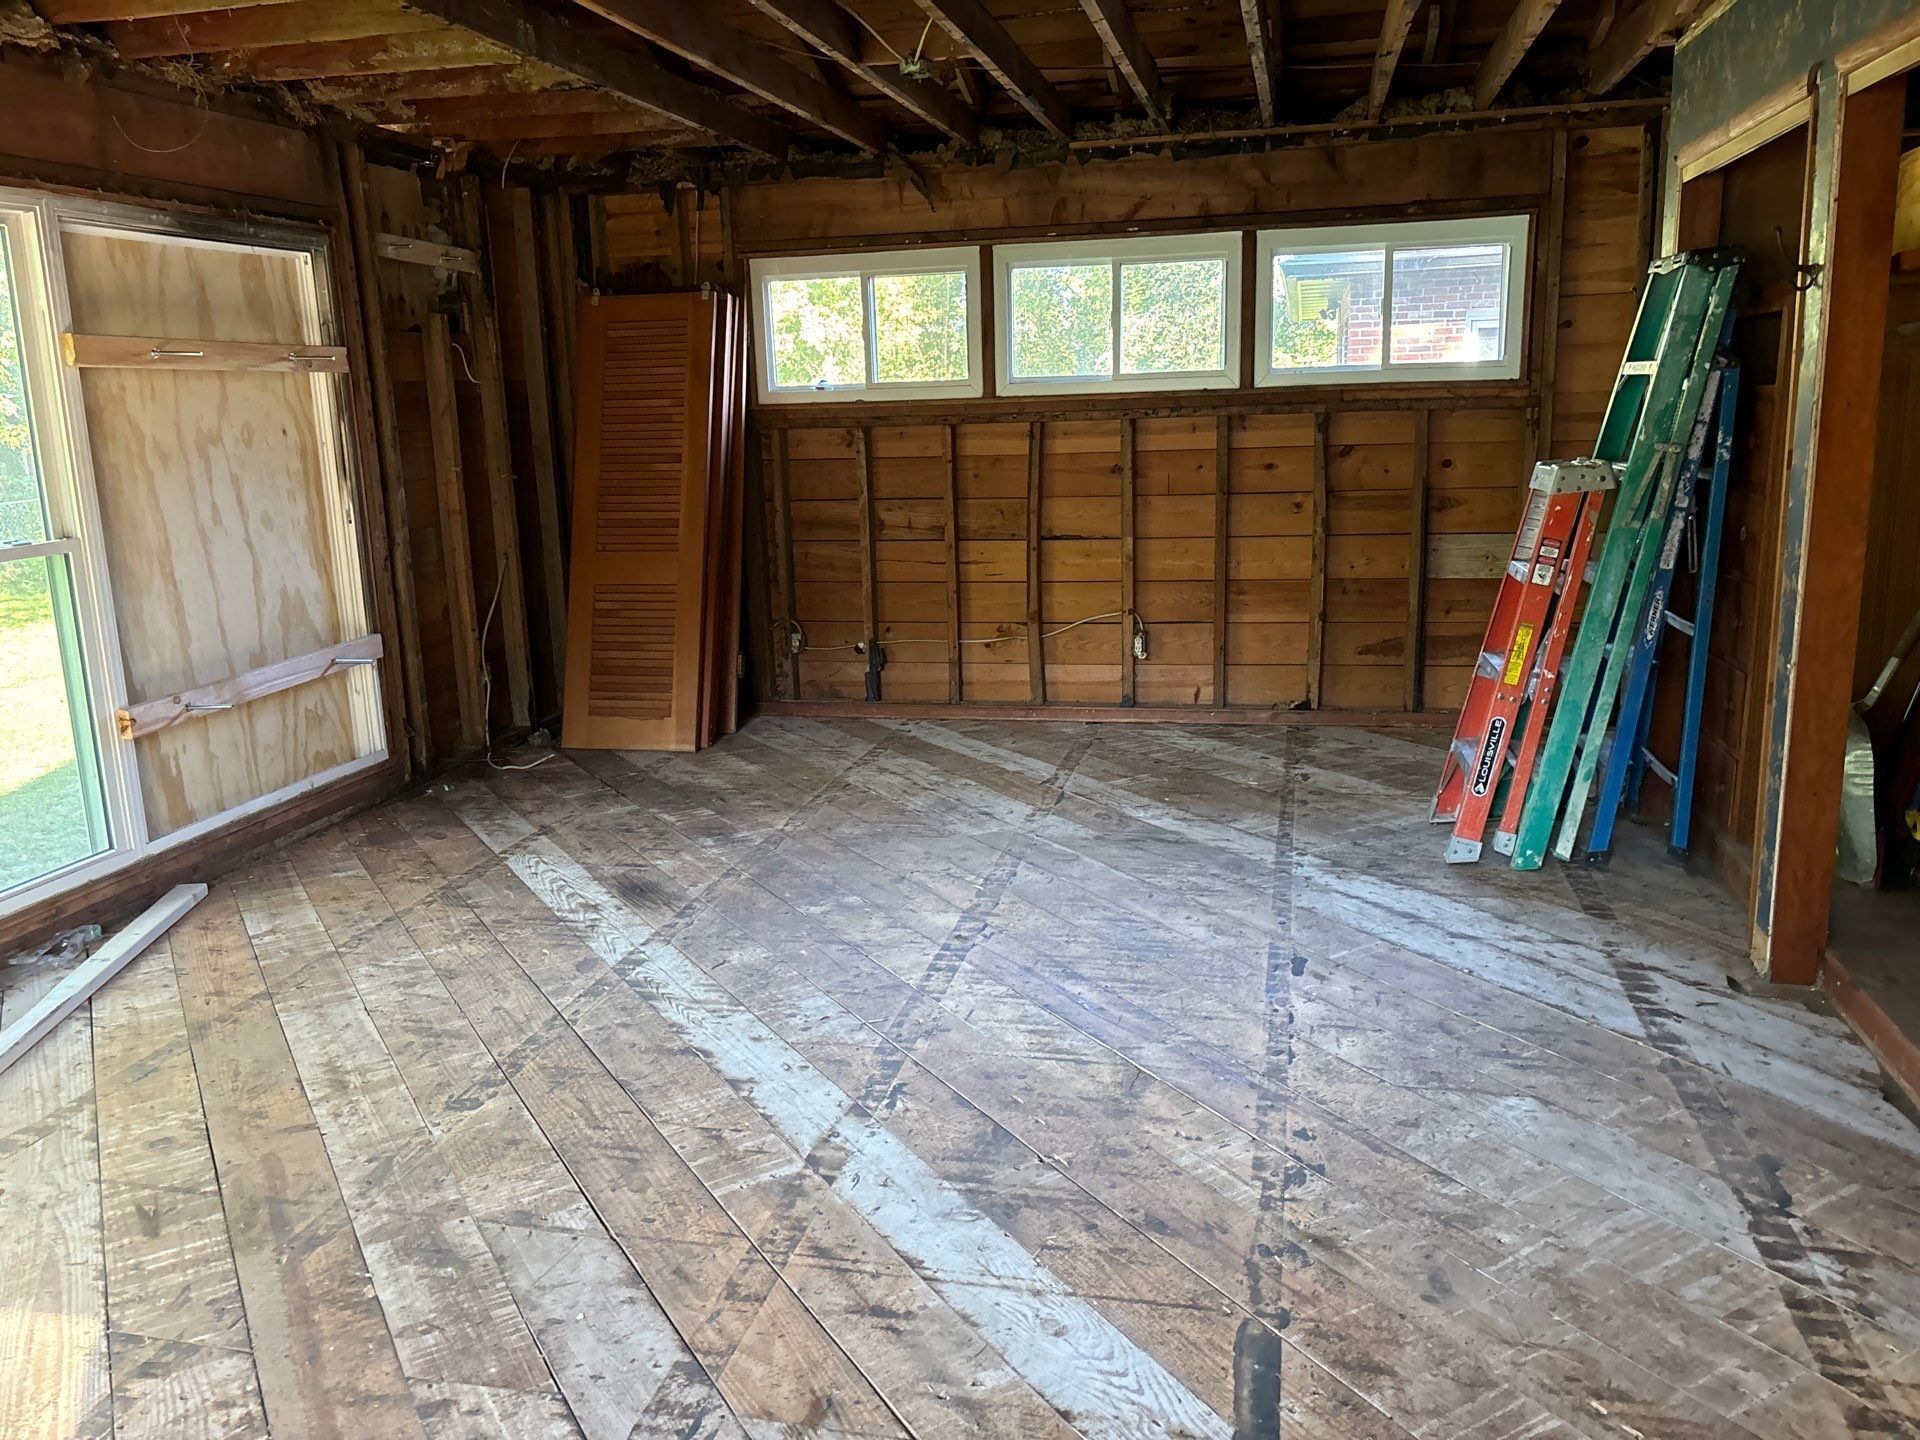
[[1631, 757]]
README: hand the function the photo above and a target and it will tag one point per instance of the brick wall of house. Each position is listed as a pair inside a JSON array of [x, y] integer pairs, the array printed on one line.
[[1436, 298]]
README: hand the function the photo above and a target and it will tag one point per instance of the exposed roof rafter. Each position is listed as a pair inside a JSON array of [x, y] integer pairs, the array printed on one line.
[[625, 70], [1114, 24], [1394, 30], [289, 22], [973, 26], [1264, 41], [1633, 37], [833, 30], [1510, 47], [698, 35]]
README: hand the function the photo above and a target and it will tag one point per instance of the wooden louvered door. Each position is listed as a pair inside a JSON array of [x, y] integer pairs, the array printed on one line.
[[642, 483]]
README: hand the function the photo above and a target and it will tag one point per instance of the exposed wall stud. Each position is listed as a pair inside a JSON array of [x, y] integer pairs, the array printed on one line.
[[952, 538], [869, 586], [456, 554], [1222, 525], [1317, 585], [1129, 621], [1416, 656], [1036, 647]]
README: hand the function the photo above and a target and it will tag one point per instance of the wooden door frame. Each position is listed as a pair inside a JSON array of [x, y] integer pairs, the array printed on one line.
[[1856, 148], [1852, 107]]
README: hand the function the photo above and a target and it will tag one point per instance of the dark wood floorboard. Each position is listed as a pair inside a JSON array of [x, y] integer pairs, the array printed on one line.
[[969, 1079]]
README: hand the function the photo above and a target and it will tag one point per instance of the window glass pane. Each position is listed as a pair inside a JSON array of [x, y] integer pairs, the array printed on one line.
[[1062, 321], [920, 327], [22, 517], [819, 332], [1173, 316], [50, 811], [1447, 304], [1326, 309]]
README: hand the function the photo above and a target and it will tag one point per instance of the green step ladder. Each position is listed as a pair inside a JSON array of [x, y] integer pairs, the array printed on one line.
[[1656, 396]]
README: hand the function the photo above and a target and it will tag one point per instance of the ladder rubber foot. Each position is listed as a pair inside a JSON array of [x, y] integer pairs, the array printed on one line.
[[1462, 852], [1680, 852], [1600, 859], [1503, 842]]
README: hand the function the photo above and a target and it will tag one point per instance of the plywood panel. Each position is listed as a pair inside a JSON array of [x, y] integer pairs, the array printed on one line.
[[214, 497]]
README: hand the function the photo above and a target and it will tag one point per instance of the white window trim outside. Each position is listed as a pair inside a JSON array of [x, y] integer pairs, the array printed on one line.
[[867, 265], [56, 404], [1512, 231], [1219, 245]]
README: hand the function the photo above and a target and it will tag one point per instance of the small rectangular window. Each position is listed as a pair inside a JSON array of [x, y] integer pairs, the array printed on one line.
[[1152, 313], [901, 325], [1426, 300]]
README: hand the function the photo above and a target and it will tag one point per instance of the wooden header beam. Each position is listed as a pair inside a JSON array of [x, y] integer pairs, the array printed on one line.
[[629, 71], [830, 28], [973, 26], [700, 35]]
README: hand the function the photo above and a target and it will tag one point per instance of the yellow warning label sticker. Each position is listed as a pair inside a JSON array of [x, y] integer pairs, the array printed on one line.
[[1517, 656]]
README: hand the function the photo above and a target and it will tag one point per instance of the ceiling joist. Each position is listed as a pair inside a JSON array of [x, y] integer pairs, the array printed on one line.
[[1114, 24], [1263, 51], [254, 27], [699, 35], [628, 71], [88, 12], [1633, 37], [441, 49], [833, 30], [972, 26], [1386, 56], [1510, 47], [759, 75]]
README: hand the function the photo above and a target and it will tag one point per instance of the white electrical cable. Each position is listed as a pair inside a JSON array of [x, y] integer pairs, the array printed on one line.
[[984, 640]]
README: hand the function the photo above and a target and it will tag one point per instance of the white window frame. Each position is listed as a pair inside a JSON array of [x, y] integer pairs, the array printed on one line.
[[1222, 245], [56, 403], [867, 266], [1513, 231]]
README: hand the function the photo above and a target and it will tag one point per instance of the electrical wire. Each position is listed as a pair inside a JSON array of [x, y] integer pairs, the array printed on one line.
[[486, 685], [867, 25], [977, 640], [206, 119], [471, 377]]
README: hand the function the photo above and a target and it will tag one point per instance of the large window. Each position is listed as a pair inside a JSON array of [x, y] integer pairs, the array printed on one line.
[[52, 804], [1156, 313], [183, 618], [1429, 300], [894, 326]]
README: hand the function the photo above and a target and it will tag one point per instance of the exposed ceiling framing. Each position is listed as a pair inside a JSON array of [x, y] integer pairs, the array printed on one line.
[[1263, 53], [1113, 22], [586, 81], [974, 27]]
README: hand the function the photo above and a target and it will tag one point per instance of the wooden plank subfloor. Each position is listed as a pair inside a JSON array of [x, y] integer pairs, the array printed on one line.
[[887, 1079]]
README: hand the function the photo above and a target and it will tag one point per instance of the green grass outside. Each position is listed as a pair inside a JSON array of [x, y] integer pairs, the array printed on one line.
[[43, 821]]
